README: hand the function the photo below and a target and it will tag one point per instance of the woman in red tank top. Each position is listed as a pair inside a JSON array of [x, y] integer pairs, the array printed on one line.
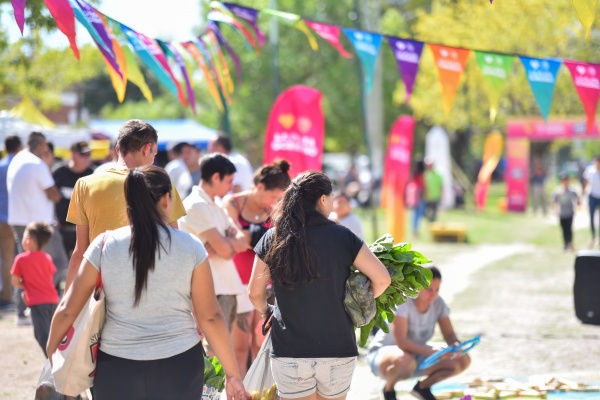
[[251, 211]]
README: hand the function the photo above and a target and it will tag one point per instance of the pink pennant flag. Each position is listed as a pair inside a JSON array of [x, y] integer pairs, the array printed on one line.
[[586, 78], [331, 33], [64, 16], [19, 9]]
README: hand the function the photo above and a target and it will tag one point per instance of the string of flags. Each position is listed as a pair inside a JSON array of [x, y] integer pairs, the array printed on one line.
[[173, 62]]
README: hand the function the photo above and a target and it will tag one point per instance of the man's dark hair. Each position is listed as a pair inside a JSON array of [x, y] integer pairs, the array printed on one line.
[[215, 163], [436, 274], [39, 232], [35, 140], [135, 134], [224, 142], [12, 143]]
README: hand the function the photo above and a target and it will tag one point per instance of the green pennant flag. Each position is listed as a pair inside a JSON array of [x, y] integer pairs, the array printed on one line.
[[495, 69]]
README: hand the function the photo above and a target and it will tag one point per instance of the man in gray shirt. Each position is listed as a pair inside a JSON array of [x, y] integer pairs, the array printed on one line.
[[565, 200]]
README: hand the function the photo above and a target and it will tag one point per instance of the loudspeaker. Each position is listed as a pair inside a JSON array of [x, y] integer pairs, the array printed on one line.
[[586, 290]]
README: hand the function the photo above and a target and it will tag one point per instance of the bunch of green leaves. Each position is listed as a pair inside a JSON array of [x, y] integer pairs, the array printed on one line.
[[408, 277], [214, 375]]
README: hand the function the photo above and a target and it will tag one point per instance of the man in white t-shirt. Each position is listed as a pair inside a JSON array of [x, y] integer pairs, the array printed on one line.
[[219, 234], [178, 170], [31, 197], [591, 177], [243, 179]]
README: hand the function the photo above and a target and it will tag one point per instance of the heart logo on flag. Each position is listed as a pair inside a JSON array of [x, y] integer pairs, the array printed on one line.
[[304, 124], [489, 59], [400, 45], [592, 71], [535, 64], [358, 35], [545, 65], [411, 48], [286, 120], [444, 53], [454, 55], [581, 69]]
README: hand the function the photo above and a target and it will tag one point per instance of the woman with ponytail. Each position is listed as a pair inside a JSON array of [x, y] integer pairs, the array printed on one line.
[[308, 258], [154, 278]]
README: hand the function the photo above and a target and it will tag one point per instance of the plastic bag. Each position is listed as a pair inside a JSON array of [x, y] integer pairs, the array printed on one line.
[[45, 389], [259, 380], [359, 301]]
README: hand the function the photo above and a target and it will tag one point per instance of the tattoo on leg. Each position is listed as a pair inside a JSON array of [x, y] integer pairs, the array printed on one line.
[[243, 322]]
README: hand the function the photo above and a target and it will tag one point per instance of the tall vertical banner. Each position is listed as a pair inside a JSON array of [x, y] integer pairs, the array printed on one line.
[[495, 69], [541, 74], [397, 167], [437, 148], [296, 130], [367, 47], [450, 63], [586, 78], [517, 174], [492, 151], [407, 54]]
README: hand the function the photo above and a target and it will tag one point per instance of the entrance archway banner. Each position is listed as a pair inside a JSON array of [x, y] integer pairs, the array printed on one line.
[[538, 129]]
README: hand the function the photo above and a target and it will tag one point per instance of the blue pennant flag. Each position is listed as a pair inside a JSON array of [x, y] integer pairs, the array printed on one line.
[[541, 74], [367, 47]]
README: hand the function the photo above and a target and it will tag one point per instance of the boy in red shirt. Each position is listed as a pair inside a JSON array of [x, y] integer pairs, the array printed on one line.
[[33, 271]]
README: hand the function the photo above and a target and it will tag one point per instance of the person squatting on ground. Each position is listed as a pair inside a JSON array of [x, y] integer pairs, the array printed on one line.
[[207, 220], [154, 278], [33, 271], [565, 201], [251, 211], [592, 178], [396, 355], [308, 258], [98, 200]]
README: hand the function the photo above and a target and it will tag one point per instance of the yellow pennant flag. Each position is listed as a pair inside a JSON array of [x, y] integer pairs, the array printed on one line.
[[586, 11], [301, 26]]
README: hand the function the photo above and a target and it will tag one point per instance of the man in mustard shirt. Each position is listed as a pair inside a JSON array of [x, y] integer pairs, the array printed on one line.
[[98, 200], [434, 185]]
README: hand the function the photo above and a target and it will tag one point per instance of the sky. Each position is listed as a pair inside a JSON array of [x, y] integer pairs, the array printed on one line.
[[167, 20]]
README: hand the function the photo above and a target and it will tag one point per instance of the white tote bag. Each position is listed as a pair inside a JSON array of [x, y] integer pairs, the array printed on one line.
[[74, 362]]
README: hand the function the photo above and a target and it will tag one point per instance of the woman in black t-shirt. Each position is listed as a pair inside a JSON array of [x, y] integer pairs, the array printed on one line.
[[308, 258]]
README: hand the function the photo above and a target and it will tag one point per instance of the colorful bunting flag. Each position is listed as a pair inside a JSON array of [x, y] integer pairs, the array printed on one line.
[[63, 14], [19, 11], [450, 62], [195, 52], [297, 22], [171, 51], [130, 68], [119, 82], [331, 33], [219, 16], [586, 12], [150, 53], [541, 74], [219, 63], [495, 69], [586, 78], [367, 47], [407, 54], [249, 15], [236, 60]]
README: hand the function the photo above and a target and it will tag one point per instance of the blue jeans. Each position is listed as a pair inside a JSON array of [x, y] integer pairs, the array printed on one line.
[[594, 203], [418, 213]]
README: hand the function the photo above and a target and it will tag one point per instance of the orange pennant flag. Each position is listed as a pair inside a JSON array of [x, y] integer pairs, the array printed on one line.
[[450, 62], [119, 84]]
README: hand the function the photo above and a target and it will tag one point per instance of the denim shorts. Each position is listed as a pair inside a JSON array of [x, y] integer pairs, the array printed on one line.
[[375, 356], [300, 377]]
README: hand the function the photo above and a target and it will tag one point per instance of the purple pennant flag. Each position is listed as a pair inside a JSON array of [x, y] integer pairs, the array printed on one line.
[[236, 60], [19, 9], [170, 50], [407, 54], [249, 15], [96, 22]]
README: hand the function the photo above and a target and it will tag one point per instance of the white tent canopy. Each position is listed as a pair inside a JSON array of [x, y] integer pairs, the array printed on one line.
[[169, 131]]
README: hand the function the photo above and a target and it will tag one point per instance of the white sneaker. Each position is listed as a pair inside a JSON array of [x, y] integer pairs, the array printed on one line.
[[22, 321]]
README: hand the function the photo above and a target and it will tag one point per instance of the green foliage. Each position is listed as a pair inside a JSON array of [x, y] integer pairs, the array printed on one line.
[[408, 277], [214, 375]]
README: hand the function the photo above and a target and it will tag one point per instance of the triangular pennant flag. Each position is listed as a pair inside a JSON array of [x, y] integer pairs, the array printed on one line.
[[119, 82], [295, 21], [87, 17], [495, 69], [586, 78], [150, 53], [407, 54], [236, 59], [541, 74], [171, 51], [586, 11], [194, 51], [249, 15], [301, 26], [331, 33], [19, 11], [219, 16], [367, 47], [212, 45], [214, 65], [450, 62], [63, 14], [134, 75]]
